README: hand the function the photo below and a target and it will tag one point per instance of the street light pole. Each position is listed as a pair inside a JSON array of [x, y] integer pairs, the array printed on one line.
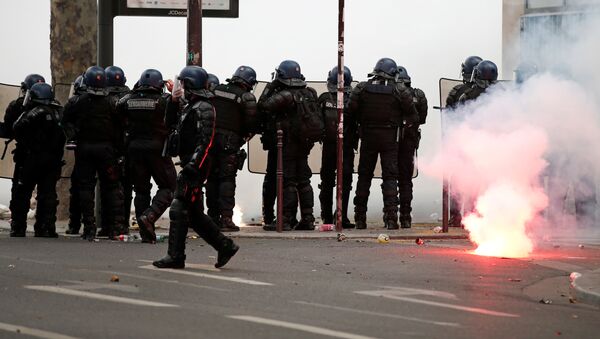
[[340, 111], [194, 33]]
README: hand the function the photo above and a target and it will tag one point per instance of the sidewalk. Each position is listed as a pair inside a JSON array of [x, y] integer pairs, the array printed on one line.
[[423, 231]]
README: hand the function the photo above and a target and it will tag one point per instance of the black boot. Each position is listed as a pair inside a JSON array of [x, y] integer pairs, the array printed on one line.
[[17, 229], [46, 231], [226, 252], [390, 220], [346, 224], [405, 222], [146, 222], [89, 232], [227, 225], [73, 228], [307, 223], [361, 221], [175, 257]]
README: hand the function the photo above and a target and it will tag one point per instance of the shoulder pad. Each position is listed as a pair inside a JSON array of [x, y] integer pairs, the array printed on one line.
[[419, 93], [247, 96]]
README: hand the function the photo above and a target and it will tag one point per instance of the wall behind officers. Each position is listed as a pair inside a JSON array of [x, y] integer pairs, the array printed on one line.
[[91, 120], [38, 161], [407, 146], [328, 103], [196, 127], [144, 110], [236, 123], [383, 108], [295, 107]]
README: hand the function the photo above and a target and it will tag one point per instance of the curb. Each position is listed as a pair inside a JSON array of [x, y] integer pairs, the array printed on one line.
[[580, 292]]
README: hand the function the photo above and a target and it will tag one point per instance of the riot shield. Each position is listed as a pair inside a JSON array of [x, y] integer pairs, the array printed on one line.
[[8, 93]]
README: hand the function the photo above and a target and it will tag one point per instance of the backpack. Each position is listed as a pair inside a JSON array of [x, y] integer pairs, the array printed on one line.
[[309, 118]]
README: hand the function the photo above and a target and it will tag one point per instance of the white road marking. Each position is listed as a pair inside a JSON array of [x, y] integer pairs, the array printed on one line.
[[209, 276], [204, 267], [419, 291], [98, 296], [379, 314], [90, 286], [299, 327], [167, 281], [33, 332], [390, 294]]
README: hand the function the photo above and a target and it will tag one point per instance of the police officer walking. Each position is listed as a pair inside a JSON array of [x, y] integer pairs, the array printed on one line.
[[328, 103], [38, 161], [385, 111], [91, 120], [408, 145], [295, 107], [198, 117], [144, 110], [236, 122]]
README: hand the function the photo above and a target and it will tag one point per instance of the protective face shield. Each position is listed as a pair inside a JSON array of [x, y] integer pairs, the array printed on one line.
[[27, 99]]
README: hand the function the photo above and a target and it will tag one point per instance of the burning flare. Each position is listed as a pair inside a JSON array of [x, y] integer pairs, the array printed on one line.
[[237, 216], [503, 213]]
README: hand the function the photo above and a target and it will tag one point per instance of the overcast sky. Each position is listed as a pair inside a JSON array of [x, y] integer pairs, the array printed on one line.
[[429, 37]]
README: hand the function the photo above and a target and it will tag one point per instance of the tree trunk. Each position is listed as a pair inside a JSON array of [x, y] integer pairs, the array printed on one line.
[[73, 31]]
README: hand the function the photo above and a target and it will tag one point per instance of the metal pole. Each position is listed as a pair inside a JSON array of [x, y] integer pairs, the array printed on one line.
[[340, 111], [279, 226], [106, 14], [194, 33]]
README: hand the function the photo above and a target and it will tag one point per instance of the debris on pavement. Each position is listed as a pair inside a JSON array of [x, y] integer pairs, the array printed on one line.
[[383, 238], [326, 228], [419, 241], [114, 278], [437, 229], [545, 301], [341, 237], [580, 246], [514, 279], [11, 266]]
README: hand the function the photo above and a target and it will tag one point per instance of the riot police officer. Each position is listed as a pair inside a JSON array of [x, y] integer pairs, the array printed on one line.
[[294, 106], [91, 119], [524, 71], [408, 144], [15, 107], [196, 127], [144, 110], [38, 161], [328, 102], [466, 71], [115, 85], [236, 122], [484, 75], [74, 205], [385, 110], [213, 82]]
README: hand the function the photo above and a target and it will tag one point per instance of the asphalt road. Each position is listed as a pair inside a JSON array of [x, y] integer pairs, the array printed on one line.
[[285, 288]]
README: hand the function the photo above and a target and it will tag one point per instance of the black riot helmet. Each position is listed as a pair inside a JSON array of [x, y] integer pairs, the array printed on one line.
[[213, 81], [332, 79], [524, 71], [385, 67], [466, 69], [115, 76], [151, 78], [245, 75], [403, 76], [94, 80], [40, 93], [78, 86], [31, 80], [194, 79], [288, 73], [485, 74]]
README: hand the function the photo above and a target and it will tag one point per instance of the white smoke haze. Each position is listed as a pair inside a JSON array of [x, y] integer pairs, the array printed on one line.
[[520, 150]]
